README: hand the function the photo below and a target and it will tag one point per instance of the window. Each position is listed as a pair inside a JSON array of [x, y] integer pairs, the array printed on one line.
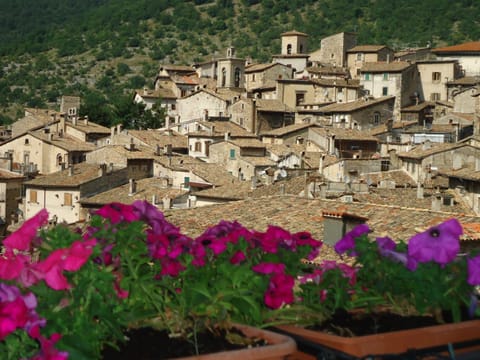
[[27, 142], [183, 92], [289, 49], [237, 77], [376, 118], [301, 49], [232, 153], [186, 181], [436, 76], [33, 196], [253, 77], [435, 96], [198, 146], [385, 91], [366, 76], [224, 77], [385, 76], [173, 107], [359, 56], [340, 90], [299, 98], [385, 165], [67, 199], [59, 159]]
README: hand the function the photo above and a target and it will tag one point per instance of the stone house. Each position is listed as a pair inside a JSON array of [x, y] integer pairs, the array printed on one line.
[[460, 84], [464, 99], [156, 140], [434, 77], [360, 55], [151, 189], [293, 51], [82, 129], [325, 72], [180, 80], [204, 104], [294, 93], [259, 115], [344, 143], [60, 192], [399, 79], [466, 182], [44, 151], [265, 75], [421, 113], [467, 54], [10, 191], [243, 158], [149, 98], [294, 134], [461, 122], [138, 160], [330, 90], [333, 49], [429, 157], [361, 114], [206, 133], [286, 156], [35, 119]]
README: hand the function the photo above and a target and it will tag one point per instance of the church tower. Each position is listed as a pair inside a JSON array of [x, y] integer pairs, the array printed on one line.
[[231, 71]]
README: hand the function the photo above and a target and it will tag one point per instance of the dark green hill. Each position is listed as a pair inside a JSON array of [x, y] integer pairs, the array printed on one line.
[[49, 47]]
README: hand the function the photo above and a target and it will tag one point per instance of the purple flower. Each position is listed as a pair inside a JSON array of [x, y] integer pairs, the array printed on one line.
[[440, 243], [348, 241], [473, 266]]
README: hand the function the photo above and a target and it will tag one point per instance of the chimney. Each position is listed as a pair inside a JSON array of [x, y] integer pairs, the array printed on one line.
[[70, 170], [320, 164], [254, 183], [167, 122], [132, 187], [167, 202], [436, 201], [167, 149], [154, 199], [145, 91], [420, 191], [426, 145], [119, 128], [157, 150], [131, 146], [323, 190], [282, 189], [102, 169], [212, 130], [74, 120], [85, 120], [227, 136], [331, 144]]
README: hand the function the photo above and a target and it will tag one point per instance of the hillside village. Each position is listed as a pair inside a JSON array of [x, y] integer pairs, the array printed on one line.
[[313, 140]]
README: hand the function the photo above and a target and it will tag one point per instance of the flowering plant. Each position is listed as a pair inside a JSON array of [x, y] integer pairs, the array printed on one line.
[[425, 275], [66, 293]]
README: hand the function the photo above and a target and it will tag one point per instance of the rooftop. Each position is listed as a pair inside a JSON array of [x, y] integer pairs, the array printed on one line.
[[382, 67], [468, 47], [355, 105]]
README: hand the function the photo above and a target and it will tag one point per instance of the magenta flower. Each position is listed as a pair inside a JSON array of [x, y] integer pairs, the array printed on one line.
[[440, 243], [12, 265], [273, 238], [48, 350], [280, 291], [269, 268], [473, 266], [238, 258], [347, 243], [22, 238], [117, 212]]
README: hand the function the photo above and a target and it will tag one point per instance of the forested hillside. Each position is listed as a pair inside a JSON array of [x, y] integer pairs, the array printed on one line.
[[103, 49]]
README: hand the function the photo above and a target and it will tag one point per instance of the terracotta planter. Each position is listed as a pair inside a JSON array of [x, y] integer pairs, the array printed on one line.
[[311, 343], [279, 347]]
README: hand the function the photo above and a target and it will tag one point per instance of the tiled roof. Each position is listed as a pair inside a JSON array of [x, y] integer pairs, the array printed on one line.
[[465, 116], [345, 134], [382, 128], [82, 173], [7, 175], [467, 173], [259, 160], [418, 107], [272, 105], [311, 159], [66, 142], [466, 80], [349, 83], [393, 66], [185, 79], [282, 150], [401, 177], [90, 127], [138, 152], [300, 214], [248, 143], [220, 128], [473, 46], [355, 105], [422, 150], [327, 70], [286, 130], [210, 172], [366, 48], [293, 33], [156, 94], [177, 68], [145, 190], [258, 67], [176, 160], [153, 138]]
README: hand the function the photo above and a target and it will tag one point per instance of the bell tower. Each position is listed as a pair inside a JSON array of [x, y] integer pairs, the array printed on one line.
[[231, 71]]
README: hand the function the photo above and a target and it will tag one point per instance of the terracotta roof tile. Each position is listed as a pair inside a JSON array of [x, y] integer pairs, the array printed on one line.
[[355, 105], [473, 46], [366, 48], [381, 67]]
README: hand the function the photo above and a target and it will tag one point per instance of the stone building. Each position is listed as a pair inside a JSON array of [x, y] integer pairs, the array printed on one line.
[[333, 49], [359, 55]]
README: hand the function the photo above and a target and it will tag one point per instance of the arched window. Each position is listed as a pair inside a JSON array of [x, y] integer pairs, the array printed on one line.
[[237, 77], [289, 49], [224, 77], [59, 159]]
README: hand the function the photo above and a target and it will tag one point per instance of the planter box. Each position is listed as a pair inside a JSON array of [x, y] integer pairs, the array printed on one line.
[[279, 347], [395, 342]]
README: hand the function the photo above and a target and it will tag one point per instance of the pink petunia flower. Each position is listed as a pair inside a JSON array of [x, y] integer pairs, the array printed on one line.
[[22, 238]]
